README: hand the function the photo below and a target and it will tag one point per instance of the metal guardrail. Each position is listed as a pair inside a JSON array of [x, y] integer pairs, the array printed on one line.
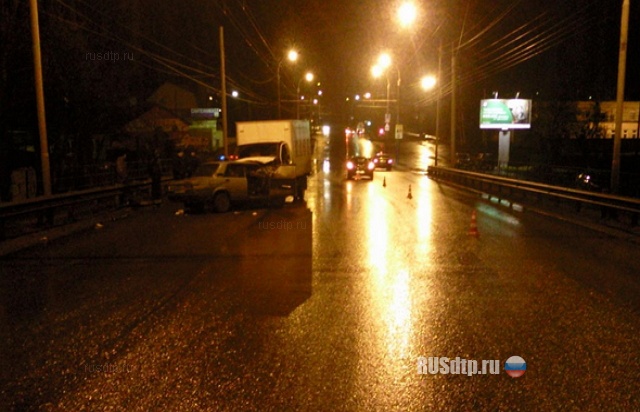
[[503, 187], [46, 208]]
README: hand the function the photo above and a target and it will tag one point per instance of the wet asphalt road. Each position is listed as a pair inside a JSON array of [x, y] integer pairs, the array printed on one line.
[[321, 306]]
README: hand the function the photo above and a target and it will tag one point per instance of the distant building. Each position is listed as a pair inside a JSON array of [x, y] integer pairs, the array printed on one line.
[[202, 121], [180, 101], [606, 118], [176, 112], [205, 124], [157, 117]]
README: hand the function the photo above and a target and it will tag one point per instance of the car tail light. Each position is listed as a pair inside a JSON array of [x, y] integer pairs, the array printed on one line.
[[371, 166], [350, 165]]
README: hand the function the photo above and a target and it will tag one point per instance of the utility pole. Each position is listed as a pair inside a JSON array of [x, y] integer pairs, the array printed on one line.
[[39, 85], [278, 85], [223, 96], [398, 96], [398, 130], [439, 80], [452, 155], [622, 62]]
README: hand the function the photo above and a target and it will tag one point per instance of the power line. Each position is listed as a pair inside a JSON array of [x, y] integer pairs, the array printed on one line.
[[176, 68]]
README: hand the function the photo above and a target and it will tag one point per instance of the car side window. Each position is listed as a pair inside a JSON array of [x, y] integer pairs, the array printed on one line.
[[234, 171]]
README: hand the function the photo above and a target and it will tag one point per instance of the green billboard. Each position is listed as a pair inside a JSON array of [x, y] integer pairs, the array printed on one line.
[[505, 114]]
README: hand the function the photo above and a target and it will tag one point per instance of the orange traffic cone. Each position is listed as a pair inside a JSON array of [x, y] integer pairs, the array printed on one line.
[[409, 196], [384, 181], [473, 228]]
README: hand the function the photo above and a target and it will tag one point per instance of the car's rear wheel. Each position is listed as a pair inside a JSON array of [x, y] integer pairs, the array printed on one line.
[[221, 202]]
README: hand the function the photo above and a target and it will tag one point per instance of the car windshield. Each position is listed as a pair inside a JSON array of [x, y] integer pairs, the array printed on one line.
[[257, 150], [206, 170]]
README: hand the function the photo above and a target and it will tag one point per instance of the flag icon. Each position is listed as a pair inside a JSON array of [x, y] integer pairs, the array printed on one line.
[[515, 366]]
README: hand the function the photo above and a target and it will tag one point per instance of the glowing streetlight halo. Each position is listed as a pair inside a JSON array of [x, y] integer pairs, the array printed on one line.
[[376, 71], [292, 56], [407, 14], [428, 82], [309, 78], [384, 60]]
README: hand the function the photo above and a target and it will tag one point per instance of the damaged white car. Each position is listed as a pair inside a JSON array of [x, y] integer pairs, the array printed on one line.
[[222, 184]]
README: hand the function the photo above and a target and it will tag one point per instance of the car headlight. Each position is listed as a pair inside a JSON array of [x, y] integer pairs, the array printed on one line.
[[350, 165], [375, 160], [390, 161], [371, 166]]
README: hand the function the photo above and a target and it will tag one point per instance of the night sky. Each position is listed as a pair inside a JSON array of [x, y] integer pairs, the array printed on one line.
[[565, 49], [551, 50]]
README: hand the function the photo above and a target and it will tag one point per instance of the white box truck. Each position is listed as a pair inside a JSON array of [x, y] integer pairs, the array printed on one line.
[[285, 144]]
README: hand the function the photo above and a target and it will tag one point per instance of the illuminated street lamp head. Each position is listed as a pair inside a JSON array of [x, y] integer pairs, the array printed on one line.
[[384, 61], [376, 71], [293, 55], [309, 76], [428, 82], [407, 14]]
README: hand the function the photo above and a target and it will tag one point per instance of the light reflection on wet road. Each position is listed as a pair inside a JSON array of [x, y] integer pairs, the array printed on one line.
[[326, 308]]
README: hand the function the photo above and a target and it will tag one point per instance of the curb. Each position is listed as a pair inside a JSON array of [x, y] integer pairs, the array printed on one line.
[[43, 237]]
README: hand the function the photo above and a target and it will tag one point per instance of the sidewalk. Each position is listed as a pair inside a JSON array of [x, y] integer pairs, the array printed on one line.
[[42, 237]]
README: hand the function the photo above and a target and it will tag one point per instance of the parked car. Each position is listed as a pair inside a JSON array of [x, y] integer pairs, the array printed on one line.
[[463, 161], [590, 182], [484, 162], [221, 184], [360, 166], [383, 160]]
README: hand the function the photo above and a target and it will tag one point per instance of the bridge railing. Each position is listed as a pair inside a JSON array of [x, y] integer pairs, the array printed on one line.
[[47, 211], [622, 208]]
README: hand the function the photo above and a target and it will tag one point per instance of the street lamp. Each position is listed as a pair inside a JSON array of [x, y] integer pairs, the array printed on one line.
[[292, 56], [308, 77], [377, 71], [407, 14], [384, 62], [428, 83]]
